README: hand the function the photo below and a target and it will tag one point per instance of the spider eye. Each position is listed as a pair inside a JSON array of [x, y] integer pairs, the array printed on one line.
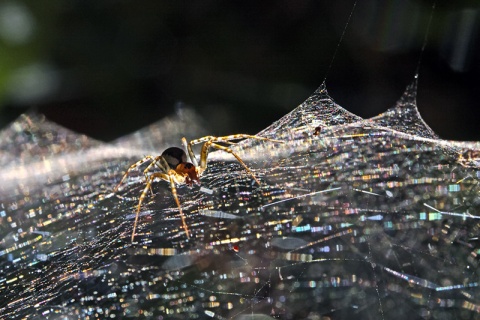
[[188, 165], [174, 156]]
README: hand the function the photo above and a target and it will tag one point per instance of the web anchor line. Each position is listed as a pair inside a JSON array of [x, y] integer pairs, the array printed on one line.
[[339, 42], [425, 40]]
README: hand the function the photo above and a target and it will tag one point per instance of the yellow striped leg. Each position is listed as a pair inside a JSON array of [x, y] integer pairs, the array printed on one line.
[[226, 139], [133, 166], [226, 149], [188, 147], [167, 177], [154, 162]]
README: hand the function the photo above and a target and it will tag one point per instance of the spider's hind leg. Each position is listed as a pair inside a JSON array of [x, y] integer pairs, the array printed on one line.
[[134, 166]]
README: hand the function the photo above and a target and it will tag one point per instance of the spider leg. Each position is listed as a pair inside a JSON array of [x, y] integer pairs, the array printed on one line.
[[202, 139], [244, 136], [171, 175], [209, 144], [168, 177], [208, 140], [191, 155], [226, 139], [154, 162], [133, 166], [142, 196], [163, 165]]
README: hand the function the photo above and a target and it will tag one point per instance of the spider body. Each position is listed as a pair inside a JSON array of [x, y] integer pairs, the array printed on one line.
[[186, 172], [177, 167]]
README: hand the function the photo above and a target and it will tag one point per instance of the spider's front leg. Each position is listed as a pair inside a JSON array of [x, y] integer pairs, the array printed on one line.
[[211, 142], [227, 149], [167, 177]]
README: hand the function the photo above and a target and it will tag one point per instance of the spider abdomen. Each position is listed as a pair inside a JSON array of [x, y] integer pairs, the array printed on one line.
[[174, 156]]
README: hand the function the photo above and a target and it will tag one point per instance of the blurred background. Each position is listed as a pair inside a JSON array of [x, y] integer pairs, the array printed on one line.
[[107, 68]]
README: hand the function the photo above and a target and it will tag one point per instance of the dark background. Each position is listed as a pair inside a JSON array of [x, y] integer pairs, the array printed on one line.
[[107, 68]]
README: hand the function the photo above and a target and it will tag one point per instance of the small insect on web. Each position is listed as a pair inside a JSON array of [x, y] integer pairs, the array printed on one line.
[[175, 168]]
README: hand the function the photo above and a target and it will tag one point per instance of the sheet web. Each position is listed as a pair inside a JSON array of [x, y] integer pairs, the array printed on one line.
[[354, 218]]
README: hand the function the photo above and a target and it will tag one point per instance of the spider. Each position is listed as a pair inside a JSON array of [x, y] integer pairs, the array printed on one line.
[[175, 169]]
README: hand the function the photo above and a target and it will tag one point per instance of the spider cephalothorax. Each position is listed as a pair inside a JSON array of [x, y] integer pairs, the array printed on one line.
[[190, 172], [178, 167]]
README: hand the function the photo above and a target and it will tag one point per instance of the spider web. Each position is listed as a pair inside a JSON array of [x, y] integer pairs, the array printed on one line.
[[374, 218]]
